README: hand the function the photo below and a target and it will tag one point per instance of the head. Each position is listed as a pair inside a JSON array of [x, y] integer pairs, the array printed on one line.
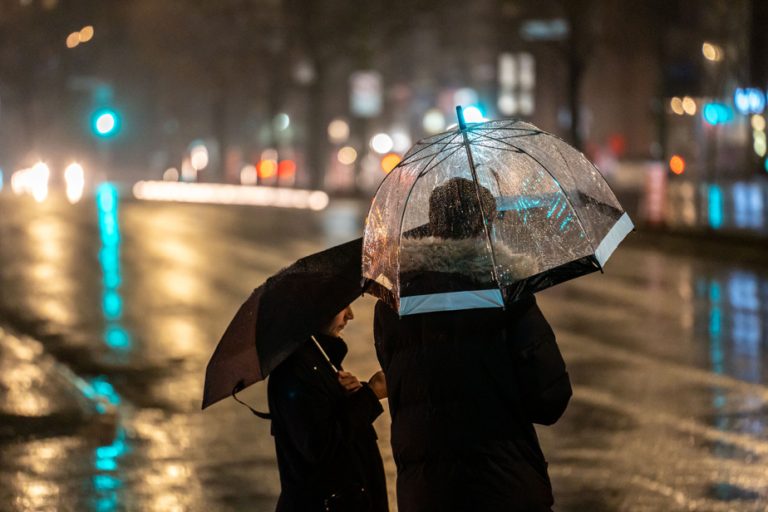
[[454, 211], [339, 322]]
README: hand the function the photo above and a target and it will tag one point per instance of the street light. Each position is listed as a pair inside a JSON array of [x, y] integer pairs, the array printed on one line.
[[106, 123]]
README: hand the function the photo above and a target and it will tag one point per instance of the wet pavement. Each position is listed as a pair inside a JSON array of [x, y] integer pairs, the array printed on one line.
[[110, 309]]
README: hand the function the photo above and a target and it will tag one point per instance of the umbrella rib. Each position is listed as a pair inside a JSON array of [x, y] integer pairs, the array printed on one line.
[[401, 165], [598, 172], [500, 128], [431, 166], [402, 216], [427, 146], [565, 194], [424, 157], [501, 141], [475, 144], [527, 133]]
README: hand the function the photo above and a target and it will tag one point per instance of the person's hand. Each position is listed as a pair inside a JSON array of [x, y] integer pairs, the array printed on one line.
[[348, 381], [378, 384]]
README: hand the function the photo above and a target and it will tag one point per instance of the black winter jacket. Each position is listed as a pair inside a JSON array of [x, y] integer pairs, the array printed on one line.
[[464, 389], [325, 442]]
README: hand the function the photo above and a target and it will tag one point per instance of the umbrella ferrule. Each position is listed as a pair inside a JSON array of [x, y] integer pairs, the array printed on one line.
[[460, 116]]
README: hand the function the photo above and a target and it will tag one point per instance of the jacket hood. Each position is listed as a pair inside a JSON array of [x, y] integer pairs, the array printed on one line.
[[469, 256]]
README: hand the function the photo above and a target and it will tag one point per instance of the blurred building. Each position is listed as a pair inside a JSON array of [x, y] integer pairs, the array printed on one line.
[[317, 93]]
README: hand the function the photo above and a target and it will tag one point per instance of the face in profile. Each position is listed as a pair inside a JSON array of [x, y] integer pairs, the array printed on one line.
[[339, 322]]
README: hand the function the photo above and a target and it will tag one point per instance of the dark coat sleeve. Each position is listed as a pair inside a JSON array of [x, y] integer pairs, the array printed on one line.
[[378, 335], [319, 422], [544, 384]]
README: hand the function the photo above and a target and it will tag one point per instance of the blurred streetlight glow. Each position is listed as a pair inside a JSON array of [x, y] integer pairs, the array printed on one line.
[[473, 114], [677, 164], [105, 123], [73, 39], [188, 173], [465, 96], [381, 143], [85, 34], [689, 106], [759, 144], [286, 168], [389, 162], [32, 181], [267, 169], [171, 174], [267, 166], [749, 100], [198, 157], [401, 141], [434, 121], [712, 52], [286, 172], [338, 131], [758, 122], [676, 104], [216, 193], [248, 175], [74, 177], [347, 155], [282, 121], [269, 154]]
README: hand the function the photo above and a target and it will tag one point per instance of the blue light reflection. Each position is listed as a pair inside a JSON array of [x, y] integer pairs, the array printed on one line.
[[107, 200], [715, 206]]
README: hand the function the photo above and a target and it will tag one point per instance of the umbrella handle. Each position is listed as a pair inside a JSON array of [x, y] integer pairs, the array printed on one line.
[[335, 370]]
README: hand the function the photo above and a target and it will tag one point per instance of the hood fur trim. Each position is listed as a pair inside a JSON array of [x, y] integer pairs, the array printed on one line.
[[469, 256]]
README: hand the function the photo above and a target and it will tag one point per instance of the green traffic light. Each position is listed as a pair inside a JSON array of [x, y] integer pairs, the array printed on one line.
[[106, 123]]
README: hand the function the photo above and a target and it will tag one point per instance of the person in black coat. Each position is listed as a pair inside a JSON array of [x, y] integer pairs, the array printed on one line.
[[322, 423], [465, 387]]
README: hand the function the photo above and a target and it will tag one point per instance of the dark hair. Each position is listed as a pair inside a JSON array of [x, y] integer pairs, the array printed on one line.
[[454, 211]]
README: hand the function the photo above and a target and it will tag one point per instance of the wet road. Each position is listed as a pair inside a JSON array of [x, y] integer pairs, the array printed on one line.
[[110, 309]]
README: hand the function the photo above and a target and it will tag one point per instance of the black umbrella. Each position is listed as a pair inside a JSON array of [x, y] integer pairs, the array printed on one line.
[[280, 315]]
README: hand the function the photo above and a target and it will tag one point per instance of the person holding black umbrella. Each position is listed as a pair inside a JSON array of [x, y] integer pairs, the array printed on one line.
[[289, 329], [322, 423]]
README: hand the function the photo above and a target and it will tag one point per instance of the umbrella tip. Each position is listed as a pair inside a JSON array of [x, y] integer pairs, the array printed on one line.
[[460, 115]]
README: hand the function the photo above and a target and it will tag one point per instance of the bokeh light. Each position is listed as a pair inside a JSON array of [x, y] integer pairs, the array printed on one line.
[[389, 162], [473, 114], [712, 52], [74, 178], [677, 164], [338, 131], [676, 104], [198, 157], [73, 39], [347, 155], [171, 174], [689, 106], [434, 121], [381, 143], [248, 175], [758, 122], [85, 34], [282, 121]]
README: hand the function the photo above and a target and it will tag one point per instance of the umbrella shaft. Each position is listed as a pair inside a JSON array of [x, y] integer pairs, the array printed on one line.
[[480, 204], [335, 370]]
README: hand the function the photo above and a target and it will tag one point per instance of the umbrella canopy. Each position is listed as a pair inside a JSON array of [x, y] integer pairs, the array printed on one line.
[[478, 216], [280, 315]]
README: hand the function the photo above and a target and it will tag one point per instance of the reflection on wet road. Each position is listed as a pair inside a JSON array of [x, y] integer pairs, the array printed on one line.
[[667, 353]]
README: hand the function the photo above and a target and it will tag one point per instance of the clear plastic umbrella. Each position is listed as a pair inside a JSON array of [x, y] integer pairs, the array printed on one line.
[[478, 216]]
